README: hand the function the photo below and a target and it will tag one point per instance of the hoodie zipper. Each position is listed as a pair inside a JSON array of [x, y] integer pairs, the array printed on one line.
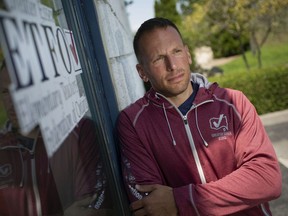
[[34, 179], [190, 137], [35, 188], [194, 151], [191, 142]]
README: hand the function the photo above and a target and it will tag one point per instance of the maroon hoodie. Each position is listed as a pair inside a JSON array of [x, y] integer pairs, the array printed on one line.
[[217, 158], [31, 184]]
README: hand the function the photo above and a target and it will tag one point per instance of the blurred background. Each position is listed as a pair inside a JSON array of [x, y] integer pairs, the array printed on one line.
[[239, 44]]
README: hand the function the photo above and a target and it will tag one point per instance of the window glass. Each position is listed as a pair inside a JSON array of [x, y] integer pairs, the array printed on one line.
[[50, 160]]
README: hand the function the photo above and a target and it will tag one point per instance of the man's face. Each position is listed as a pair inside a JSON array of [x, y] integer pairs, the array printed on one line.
[[165, 62], [6, 97]]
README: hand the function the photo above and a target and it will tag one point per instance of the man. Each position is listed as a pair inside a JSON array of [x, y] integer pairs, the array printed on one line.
[[188, 146], [71, 182]]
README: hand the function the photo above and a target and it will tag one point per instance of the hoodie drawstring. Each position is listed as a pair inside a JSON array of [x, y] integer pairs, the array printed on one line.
[[196, 118], [22, 167], [164, 110]]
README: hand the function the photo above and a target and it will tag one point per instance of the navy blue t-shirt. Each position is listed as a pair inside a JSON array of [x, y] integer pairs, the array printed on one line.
[[184, 107]]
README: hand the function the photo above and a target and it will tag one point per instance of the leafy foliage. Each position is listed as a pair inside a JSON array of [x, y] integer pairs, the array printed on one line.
[[187, 6], [266, 88], [225, 44], [232, 23], [167, 9]]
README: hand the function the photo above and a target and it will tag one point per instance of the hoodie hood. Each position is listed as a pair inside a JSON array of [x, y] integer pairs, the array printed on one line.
[[201, 80]]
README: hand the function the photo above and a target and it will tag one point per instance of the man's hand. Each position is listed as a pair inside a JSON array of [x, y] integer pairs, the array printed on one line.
[[159, 202]]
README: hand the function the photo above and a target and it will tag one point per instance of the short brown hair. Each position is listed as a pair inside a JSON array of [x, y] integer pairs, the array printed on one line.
[[148, 26]]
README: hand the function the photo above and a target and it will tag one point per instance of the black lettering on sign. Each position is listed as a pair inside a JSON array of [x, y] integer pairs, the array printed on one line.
[[38, 53], [12, 44]]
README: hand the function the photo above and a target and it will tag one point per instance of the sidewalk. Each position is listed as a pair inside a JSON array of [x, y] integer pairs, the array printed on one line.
[[276, 125]]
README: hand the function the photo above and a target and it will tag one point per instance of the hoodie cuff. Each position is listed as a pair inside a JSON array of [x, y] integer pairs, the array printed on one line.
[[184, 201]]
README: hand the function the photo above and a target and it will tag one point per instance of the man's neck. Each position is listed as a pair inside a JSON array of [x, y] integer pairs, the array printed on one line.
[[181, 98]]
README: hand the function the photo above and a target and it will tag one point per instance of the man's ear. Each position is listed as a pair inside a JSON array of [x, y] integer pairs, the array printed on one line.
[[141, 72], [189, 55]]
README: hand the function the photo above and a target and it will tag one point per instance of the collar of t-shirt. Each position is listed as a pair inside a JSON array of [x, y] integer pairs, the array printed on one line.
[[184, 107]]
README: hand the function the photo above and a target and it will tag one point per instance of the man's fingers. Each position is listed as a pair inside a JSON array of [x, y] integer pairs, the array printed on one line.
[[160, 201], [140, 212], [136, 205]]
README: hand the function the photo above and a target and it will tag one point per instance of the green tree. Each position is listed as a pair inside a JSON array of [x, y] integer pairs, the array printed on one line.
[[187, 6], [167, 9], [228, 16], [266, 16], [240, 19], [192, 28]]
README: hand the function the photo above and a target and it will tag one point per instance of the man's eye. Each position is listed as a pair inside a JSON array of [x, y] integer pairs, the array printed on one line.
[[178, 51], [158, 59]]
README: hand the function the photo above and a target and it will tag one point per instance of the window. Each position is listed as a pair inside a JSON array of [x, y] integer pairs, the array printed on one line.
[[58, 155]]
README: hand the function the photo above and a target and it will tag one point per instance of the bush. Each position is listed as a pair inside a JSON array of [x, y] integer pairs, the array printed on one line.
[[225, 44], [266, 89]]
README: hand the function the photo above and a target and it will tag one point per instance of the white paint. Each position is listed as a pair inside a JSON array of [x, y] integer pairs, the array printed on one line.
[[118, 42]]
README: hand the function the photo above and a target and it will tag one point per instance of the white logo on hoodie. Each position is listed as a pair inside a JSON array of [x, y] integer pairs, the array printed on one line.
[[218, 123], [5, 170]]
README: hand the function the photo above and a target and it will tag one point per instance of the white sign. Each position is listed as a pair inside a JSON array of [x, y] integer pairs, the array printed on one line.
[[43, 64]]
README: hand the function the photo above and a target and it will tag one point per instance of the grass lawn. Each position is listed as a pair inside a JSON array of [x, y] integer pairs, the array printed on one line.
[[274, 54]]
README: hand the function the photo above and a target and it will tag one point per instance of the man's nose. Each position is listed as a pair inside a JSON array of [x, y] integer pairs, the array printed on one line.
[[170, 63]]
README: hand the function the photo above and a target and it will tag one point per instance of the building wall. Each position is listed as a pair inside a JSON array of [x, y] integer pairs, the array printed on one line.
[[117, 39]]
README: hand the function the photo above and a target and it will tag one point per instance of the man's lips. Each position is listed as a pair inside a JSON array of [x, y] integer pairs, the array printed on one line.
[[176, 78]]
